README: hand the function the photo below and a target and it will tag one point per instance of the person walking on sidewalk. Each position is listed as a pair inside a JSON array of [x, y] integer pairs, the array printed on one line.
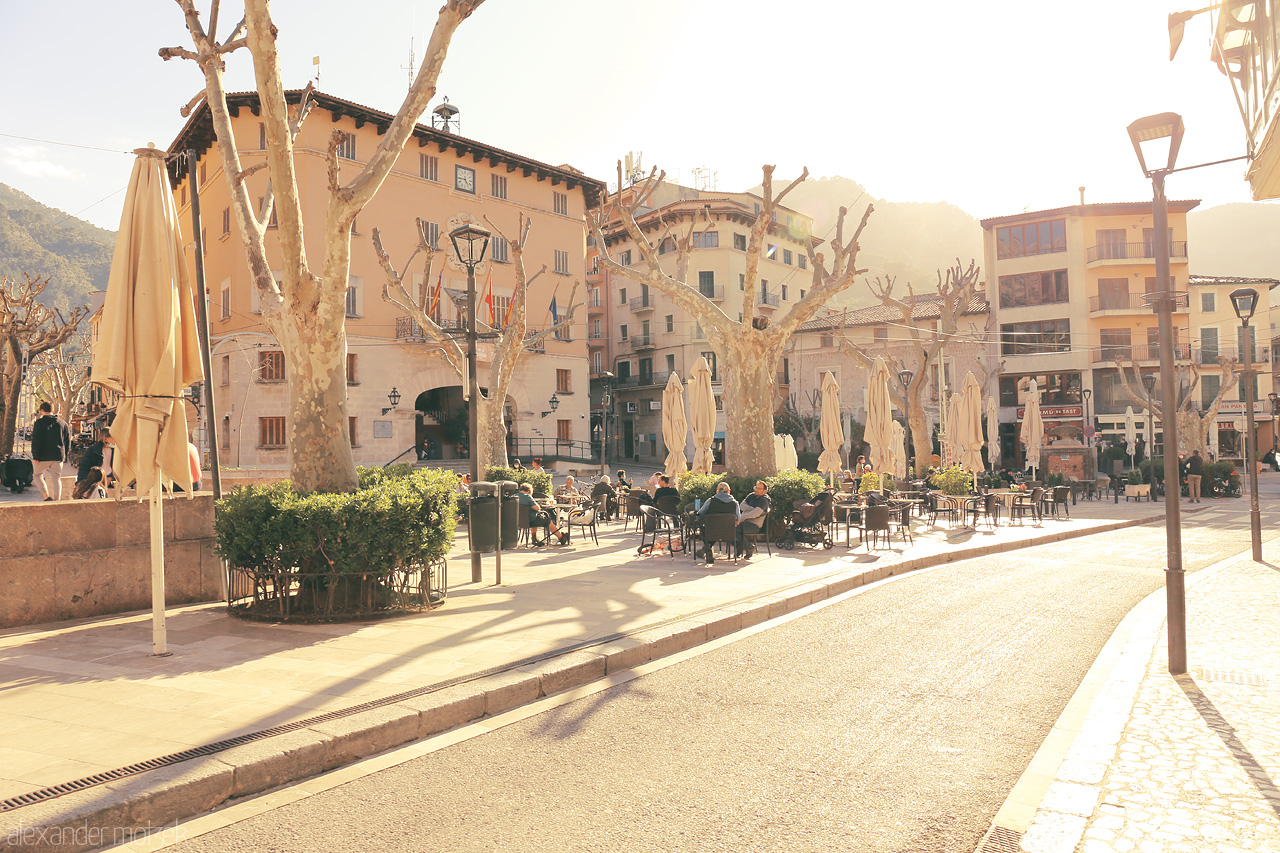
[[1195, 468], [50, 446]]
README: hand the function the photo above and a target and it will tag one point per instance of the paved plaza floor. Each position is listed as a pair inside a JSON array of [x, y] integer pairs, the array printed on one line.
[[87, 697]]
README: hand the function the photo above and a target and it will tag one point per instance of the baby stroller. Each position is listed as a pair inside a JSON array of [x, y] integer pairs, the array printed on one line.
[[810, 523], [17, 474]]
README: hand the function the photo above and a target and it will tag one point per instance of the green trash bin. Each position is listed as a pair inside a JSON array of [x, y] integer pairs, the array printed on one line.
[[510, 514], [482, 526]]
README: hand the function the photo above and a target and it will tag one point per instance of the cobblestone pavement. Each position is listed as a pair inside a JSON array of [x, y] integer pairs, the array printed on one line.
[[1180, 764]]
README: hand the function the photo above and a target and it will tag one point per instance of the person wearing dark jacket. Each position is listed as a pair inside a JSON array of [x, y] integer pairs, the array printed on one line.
[[665, 489], [1195, 468], [50, 446], [721, 502], [753, 510], [99, 455]]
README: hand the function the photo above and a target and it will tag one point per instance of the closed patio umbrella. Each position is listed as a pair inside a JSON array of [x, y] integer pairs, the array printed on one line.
[[830, 428], [148, 351], [899, 451], [1032, 432], [969, 423], [780, 452], [879, 431], [674, 427], [1130, 433], [702, 416], [792, 458], [952, 446]]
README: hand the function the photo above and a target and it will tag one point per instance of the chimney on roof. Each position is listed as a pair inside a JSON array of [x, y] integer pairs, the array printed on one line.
[[1082, 196], [445, 117]]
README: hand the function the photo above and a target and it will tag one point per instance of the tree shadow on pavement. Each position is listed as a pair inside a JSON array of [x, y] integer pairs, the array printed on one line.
[[1227, 733]]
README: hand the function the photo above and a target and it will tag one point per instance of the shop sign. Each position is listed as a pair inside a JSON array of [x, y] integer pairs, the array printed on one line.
[[1055, 412]]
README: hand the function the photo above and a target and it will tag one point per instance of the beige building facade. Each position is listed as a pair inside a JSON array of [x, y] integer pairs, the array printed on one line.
[[638, 335], [443, 179], [1071, 293]]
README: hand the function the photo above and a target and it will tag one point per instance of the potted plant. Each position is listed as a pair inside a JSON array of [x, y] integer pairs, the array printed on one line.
[[1135, 487]]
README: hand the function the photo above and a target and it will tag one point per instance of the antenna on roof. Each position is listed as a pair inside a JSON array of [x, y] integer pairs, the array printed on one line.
[[634, 171], [315, 60], [412, 66], [704, 178]]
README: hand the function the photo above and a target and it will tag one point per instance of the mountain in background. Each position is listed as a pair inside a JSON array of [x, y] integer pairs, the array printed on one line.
[[1235, 239], [41, 241], [907, 241]]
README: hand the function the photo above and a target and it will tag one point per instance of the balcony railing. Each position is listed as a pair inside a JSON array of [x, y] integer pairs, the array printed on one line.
[[1209, 355], [641, 303], [407, 328], [641, 342], [1132, 251], [714, 293], [1135, 303], [1108, 354], [768, 300]]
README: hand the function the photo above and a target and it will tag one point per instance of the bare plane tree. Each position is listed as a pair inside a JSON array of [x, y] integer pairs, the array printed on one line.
[[306, 310], [61, 379], [1193, 426], [513, 338], [955, 290], [748, 349], [25, 323]]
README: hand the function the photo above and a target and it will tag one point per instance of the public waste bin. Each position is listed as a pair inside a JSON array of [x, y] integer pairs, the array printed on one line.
[[510, 514], [483, 520]]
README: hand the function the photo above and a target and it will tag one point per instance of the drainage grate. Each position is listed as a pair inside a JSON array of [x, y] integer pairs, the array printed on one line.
[[1230, 676], [1000, 839]]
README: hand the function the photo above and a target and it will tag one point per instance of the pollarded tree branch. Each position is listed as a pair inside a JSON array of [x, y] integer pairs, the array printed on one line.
[[394, 291]]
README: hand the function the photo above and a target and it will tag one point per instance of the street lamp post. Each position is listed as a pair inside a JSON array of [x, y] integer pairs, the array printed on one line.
[[1245, 301], [1092, 471], [904, 377], [1149, 382], [1152, 131], [606, 406], [470, 243]]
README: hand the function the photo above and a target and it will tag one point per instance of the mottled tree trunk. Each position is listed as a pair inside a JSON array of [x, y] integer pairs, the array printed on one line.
[[10, 387], [320, 455], [749, 385], [493, 434]]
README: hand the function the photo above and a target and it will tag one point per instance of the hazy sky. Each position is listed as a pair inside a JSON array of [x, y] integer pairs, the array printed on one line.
[[996, 107]]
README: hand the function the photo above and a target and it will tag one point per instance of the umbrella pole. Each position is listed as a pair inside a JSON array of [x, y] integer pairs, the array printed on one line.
[[159, 639]]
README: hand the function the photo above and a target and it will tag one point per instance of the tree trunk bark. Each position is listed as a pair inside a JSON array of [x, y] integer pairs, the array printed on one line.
[[9, 412], [493, 434], [921, 441], [321, 459], [749, 388]]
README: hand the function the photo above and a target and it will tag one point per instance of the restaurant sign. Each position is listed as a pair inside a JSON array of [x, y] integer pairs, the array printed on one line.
[[1055, 413]]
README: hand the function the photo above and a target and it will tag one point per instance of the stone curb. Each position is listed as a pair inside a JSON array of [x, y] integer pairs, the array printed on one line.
[[121, 811]]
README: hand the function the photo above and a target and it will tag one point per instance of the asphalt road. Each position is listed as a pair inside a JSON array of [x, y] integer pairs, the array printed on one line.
[[896, 720]]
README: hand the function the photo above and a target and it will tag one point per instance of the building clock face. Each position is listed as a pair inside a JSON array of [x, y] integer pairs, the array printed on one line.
[[465, 179]]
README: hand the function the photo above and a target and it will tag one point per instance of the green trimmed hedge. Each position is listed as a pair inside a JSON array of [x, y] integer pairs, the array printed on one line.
[[540, 481], [952, 481], [399, 520]]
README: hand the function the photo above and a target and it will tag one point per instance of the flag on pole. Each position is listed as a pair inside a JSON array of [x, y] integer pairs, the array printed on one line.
[[551, 309], [435, 299], [488, 295], [511, 303]]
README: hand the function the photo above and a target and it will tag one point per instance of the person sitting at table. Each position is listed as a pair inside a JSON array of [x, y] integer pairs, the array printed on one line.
[[623, 482], [464, 485], [721, 502], [664, 489], [655, 481], [569, 491], [752, 512], [604, 489], [537, 466], [539, 518]]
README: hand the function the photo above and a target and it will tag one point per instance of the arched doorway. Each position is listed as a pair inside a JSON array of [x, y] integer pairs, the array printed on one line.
[[442, 428]]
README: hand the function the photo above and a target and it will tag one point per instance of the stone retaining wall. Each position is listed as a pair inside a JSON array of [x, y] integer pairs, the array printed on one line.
[[72, 559]]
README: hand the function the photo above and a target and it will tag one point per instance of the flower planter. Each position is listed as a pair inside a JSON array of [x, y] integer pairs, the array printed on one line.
[[1142, 490]]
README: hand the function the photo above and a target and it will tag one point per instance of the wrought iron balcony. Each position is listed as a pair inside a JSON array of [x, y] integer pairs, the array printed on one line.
[[1133, 251]]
